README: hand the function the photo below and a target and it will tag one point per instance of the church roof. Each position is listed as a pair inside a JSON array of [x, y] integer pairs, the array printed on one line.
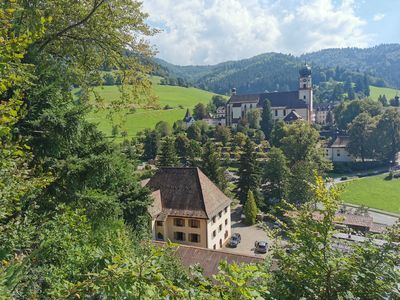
[[186, 192], [283, 99], [288, 100], [292, 116]]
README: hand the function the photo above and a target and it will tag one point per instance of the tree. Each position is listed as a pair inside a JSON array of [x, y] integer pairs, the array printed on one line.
[[315, 269], [194, 153], [253, 118], [182, 147], [151, 144], [179, 127], [199, 111], [276, 175], [250, 209], [249, 172], [163, 128], [211, 165], [278, 133], [218, 100], [194, 132], [360, 136], [222, 134], [387, 135], [266, 119], [305, 159], [168, 156], [383, 100]]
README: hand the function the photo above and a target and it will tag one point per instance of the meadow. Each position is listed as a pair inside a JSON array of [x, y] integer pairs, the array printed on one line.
[[179, 98], [389, 92], [374, 191]]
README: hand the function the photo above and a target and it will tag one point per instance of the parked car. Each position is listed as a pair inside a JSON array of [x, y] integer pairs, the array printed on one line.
[[234, 240], [261, 246]]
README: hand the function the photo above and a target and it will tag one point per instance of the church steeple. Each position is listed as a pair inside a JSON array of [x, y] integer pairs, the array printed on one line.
[[305, 89]]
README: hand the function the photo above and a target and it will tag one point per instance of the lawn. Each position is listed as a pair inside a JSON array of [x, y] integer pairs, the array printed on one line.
[[374, 191], [376, 91], [174, 96]]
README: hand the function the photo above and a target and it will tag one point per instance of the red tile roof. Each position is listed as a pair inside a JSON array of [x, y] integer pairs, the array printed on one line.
[[209, 259]]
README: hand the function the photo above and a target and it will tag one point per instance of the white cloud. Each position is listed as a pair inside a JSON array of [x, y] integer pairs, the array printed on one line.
[[211, 31], [378, 17]]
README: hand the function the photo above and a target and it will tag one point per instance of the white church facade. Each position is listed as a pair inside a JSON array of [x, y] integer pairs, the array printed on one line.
[[286, 106]]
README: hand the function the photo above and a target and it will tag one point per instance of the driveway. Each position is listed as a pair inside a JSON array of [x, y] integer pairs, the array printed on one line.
[[249, 235]]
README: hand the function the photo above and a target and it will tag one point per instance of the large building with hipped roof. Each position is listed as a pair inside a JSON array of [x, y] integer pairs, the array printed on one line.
[[297, 103], [188, 208]]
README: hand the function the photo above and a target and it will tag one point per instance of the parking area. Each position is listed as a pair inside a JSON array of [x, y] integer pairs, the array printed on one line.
[[249, 235]]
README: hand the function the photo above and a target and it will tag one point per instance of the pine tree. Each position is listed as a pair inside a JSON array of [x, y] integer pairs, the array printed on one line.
[[266, 119], [211, 166], [249, 172], [168, 156], [151, 144], [250, 209]]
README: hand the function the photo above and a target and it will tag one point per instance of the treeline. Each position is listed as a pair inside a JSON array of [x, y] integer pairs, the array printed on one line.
[[373, 129]]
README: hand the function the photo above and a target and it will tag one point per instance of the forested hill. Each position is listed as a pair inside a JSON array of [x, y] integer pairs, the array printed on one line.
[[381, 61], [276, 71]]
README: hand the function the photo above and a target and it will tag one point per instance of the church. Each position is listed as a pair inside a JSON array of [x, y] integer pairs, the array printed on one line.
[[286, 106]]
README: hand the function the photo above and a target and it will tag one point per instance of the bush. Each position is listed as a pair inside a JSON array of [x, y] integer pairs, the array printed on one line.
[[390, 176], [344, 178], [166, 107]]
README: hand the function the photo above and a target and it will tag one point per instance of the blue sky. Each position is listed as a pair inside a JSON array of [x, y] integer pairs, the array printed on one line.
[[211, 31]]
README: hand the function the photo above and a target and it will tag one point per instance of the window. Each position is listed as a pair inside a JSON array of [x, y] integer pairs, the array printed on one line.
[[213, 220], [219, 227], [160, 237], [179, 222], [214, 233], [220, 214], [304, 86], [194, 223], [194, 238], [220, 243], [179, 236], [338, 153], [226, 234], [226, 209], [304, 97], [284, 112], [226, 221], [215, 247], [159, 223], [276, 112]]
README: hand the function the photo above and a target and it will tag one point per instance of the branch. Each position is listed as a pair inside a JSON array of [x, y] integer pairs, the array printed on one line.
[[56, 35]]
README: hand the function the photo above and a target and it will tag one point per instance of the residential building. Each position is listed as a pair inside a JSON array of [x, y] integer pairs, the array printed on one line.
[[282, 103], [189, 208], [336, 150], [324, 113]]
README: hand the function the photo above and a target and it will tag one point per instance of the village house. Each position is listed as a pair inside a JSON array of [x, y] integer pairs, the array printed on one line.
[[188, 208], [324, 113], [336, 150], [282, 103]]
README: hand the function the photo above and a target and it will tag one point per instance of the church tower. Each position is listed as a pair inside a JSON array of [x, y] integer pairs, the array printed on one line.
[[305, 89]]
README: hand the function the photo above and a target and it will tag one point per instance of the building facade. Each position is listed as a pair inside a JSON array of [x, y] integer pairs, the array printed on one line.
[[189, 208], [282, 103], [336, 151]]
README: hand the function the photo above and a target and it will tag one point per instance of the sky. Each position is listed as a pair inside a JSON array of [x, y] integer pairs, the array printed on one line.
[[205, 32]]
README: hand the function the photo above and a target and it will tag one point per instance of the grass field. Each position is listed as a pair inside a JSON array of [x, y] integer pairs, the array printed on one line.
[[174, 96], [374, 191], [376, 91]]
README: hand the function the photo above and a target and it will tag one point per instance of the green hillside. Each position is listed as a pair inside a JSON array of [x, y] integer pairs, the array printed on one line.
[[174, 96], [376, 91]]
